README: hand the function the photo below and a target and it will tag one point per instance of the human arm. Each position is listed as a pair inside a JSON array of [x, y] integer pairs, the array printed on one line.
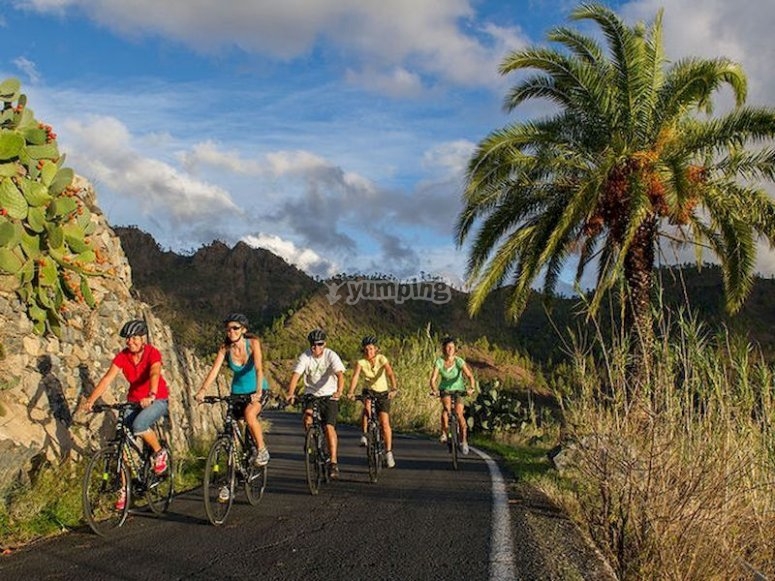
[[258, 362], [470, 377], [292, 387], [354, 381], [199, 395], [339, 385], [103, 384], [392, 378], [154, 375], [434, 378]]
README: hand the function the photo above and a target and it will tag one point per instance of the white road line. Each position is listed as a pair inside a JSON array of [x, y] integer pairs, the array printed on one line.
[[501, 543]]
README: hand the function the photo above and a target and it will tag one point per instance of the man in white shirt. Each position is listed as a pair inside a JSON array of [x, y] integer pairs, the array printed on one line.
[[323, 373]]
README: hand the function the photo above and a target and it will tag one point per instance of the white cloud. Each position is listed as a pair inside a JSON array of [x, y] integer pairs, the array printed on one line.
[[738, 30], [103, 151], [405, 39], [304, 258], [29, 68]]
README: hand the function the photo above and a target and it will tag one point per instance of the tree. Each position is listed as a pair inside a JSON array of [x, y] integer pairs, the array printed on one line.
[[631, 153]]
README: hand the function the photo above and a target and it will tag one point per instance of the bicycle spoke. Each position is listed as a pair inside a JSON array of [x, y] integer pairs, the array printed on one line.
[[312, 461], [161, 487], [372, 451], [218, 481], [255, 484], [454, 439], [104, 483]]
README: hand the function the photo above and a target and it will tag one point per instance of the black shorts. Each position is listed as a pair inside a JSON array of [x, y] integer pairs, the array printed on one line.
[[382, 400], [238, 407], [329, 409]]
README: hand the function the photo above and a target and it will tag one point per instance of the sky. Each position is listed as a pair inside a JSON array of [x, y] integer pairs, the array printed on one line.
[[334, 133]]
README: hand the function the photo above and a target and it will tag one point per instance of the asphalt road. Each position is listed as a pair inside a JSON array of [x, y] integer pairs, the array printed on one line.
[[421, 520]]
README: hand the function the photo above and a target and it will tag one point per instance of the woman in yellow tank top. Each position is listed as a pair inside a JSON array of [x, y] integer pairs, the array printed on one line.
[[375, 371]]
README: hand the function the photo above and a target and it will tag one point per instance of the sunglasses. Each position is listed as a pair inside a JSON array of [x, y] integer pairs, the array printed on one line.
[[318, 344], [233, 328]]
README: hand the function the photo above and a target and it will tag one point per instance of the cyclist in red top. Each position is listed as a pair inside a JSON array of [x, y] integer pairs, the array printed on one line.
[[140, 363]]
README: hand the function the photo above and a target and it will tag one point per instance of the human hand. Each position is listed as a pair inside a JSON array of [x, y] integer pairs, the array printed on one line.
[[199, 396], [392, 393], [290, 398]]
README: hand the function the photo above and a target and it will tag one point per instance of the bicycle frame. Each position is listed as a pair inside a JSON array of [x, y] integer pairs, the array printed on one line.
[[123, 467], [231, 451], [375, 447], [315, 446]]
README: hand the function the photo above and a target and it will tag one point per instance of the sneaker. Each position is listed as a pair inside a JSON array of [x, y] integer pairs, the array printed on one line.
[[223, 495], [333, 471], [121, 501], [262, 458], [391, 462], [443, 438], [160, 461], [464, 448], [364, 441]]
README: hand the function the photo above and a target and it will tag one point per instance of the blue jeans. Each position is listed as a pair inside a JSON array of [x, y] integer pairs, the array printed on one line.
[[141, 420]]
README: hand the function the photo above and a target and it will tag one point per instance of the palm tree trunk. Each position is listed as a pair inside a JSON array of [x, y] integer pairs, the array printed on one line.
[[639, 276]]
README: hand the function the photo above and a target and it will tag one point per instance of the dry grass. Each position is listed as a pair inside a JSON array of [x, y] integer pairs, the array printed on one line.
[[676, 481]]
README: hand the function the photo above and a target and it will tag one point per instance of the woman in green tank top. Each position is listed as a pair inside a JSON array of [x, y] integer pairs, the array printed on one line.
[[451, 373]]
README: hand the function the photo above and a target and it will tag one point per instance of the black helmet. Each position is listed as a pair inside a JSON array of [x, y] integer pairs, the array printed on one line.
[[368, 340], [134, 328], [237, 318], [316, 335]]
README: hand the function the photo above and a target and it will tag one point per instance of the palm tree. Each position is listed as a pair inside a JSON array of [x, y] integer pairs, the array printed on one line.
[[631, 153]]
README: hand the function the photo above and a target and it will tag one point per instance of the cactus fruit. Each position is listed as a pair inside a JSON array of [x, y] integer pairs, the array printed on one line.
[[44, 225]]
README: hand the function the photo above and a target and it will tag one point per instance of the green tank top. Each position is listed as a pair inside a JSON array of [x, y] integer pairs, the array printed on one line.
[[451, 377]]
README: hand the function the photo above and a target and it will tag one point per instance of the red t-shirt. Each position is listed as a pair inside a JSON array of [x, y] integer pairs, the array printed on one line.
[[139, 376]]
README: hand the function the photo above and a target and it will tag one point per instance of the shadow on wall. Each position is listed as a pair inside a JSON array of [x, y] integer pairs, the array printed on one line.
[[59, 441], [58, 437]]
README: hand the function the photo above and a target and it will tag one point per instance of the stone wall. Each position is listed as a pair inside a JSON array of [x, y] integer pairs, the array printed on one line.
[[43, 379]]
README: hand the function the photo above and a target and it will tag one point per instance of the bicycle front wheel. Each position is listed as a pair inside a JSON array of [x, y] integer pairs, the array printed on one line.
[[220, 473], [312, 462], [372, 451], [105, 482], [255, 484], [454, 439], [161, 487]]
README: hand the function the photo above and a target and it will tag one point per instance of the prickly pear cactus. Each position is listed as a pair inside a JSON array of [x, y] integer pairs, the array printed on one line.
[[45, 250]]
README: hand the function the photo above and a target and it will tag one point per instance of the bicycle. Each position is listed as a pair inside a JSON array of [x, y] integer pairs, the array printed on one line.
[[453, 429], [316, 458], [231, 460], [375, 446], [125, 468]]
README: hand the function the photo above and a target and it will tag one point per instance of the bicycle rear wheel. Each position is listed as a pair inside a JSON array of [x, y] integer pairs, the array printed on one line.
[[313, 463], [220, 474], [161, 486], [104, 482], [255, 484], [372, 451], [454, 439]]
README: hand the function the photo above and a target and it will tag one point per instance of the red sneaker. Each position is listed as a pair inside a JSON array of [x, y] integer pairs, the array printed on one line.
[[160, 461]]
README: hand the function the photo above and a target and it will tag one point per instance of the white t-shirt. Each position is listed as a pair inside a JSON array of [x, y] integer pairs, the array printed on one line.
[[319, 373]]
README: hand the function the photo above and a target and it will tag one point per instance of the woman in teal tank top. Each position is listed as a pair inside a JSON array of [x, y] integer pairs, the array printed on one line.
[[241, 351], [451, 373]]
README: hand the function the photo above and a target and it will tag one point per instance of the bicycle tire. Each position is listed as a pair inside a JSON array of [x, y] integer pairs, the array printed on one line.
[[103, 482], [255, 484], [454, 438], [160, 487], [372, 452], [312, 461], [220, 472]]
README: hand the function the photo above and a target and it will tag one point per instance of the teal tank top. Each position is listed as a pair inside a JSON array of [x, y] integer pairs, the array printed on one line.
[[244, 380]]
